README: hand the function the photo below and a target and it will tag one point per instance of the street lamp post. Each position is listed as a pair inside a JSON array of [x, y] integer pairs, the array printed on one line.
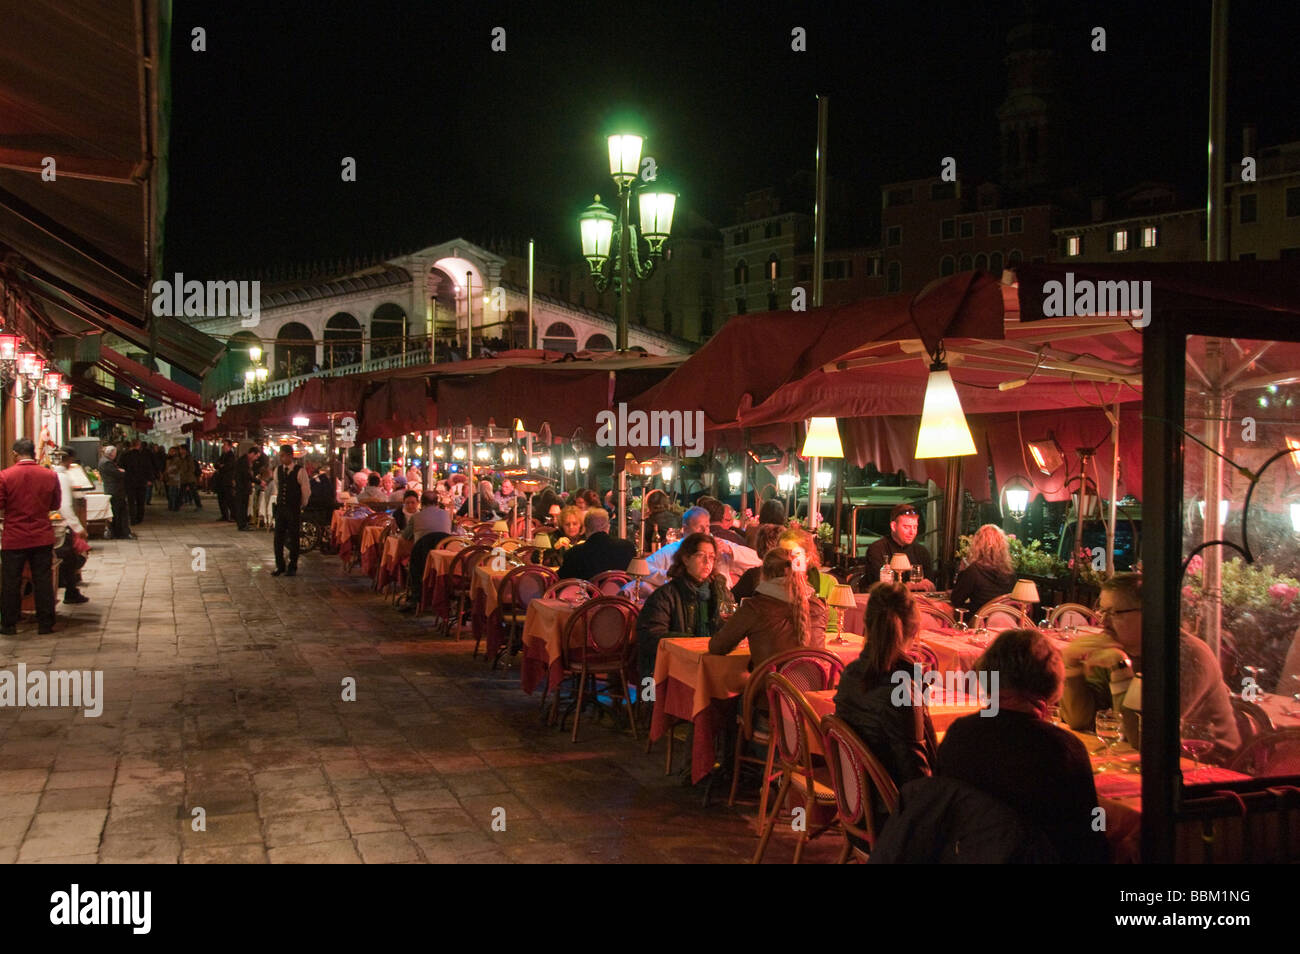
[[597, 224]]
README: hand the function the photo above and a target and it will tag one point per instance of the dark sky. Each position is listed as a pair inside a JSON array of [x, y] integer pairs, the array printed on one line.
[[453, 139]]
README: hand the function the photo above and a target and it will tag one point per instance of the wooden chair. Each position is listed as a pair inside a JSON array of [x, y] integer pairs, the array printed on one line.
[[611, 582], [937, 607], [810, 670], [528, 554], [510, 545], [793, 721], [599, 639], [516, 590], [855, 775], [571, 589], [1273, 753], [459, 576], [932, 617], [997, 616], [1252, 719], [452, 542], [926, 656], [1072, 614]]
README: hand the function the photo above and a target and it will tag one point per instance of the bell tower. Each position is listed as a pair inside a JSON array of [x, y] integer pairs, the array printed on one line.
[[1029, 117]]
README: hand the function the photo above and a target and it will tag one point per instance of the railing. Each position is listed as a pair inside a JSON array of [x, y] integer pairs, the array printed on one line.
[[166, 417], [282, 387]]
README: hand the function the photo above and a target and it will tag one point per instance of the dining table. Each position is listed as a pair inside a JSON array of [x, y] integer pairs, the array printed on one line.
[[693, 685], [544, 625], [345, 526], [397, 552], [485, 616]]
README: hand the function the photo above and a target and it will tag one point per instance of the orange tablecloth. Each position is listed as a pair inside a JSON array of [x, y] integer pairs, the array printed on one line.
[[691, 684], [370, 552], [344, 525], [956, 652], [396, 552], [485, 619], [543, 629], [434, 581]]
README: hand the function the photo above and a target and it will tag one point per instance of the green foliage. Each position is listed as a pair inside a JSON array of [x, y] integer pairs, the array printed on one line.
[[1030, 559]]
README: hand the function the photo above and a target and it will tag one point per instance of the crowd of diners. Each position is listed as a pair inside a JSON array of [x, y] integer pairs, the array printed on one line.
[[710, 576]]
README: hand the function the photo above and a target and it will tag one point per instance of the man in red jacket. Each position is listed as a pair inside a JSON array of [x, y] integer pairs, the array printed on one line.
[[28, 492]]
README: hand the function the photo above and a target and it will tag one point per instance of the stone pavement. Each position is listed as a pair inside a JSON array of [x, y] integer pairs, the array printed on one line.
[[223, 691]]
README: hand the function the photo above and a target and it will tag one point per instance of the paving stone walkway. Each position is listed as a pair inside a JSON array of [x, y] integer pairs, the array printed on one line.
[[223, 691]]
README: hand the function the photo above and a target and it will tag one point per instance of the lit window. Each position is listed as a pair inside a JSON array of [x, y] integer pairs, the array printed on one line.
[[1073, 245], [1119, 240], [1149, 237]]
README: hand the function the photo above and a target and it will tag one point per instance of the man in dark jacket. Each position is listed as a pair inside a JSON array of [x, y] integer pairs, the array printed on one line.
[[28, 492], [137, 465], [224, 480], [114, 479], [599, 552], [244, 486], [904, 525]]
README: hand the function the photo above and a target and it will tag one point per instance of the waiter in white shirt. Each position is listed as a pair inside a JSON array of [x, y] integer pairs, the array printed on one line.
[[70, 561], [733, 559]]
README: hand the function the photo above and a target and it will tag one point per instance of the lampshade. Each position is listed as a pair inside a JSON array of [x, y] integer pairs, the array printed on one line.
[[262, 375], [584, 462], [303, 422], [624, 157], [249, 377], [519, 426], [639, 567], [1017, 493], [944, 432], [597, 229], [1047, 455], [8, 347], [65, 393], [1025, 591], [842, 596], [545, 460], [786, 482], [569, 464], [823, 439], [656, 215], [51, 380], [666, 472], [542, 540], [254, 354], [900, 562], [500, 526], [824, 478]]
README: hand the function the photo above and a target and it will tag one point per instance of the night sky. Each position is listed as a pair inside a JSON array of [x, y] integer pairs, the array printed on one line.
[[452, 139]]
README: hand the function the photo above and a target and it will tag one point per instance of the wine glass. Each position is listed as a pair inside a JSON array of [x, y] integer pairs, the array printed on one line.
[[1047, 626], [960, 613], [726, 608], [1197, 740], [917, 573], [1108, 726]]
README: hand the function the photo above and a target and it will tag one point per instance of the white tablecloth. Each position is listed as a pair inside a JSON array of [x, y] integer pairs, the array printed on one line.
[[98, 507]]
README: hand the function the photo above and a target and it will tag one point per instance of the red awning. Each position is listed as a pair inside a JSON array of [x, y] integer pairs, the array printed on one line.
[[150, 382], [395, 408]]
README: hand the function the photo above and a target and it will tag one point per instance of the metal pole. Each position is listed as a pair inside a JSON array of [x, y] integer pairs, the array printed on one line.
[[819, 208], [1216, 409], [622, 501], [839, 507], [1215, 233], [470, 488], [531, 336], [469, 320], [1114, 493], [625, 234], [812, 494], [951, 519]]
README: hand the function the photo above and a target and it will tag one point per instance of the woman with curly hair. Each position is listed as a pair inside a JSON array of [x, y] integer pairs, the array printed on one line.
[[989, 572], [570, 523], [782, 614]]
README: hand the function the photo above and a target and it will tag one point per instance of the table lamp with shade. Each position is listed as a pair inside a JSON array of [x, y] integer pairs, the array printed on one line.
[[640, 569], [841, 598], [900, 564], [1024, 594], [501, 529]]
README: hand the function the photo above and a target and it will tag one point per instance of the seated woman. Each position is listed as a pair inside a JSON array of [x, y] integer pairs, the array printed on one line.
[[570, 522], [410, 507], [687, 605], [764, 540], [989, 572], [1037, 769], [659, 518], [900, 735], [803, 549], [782, 614]]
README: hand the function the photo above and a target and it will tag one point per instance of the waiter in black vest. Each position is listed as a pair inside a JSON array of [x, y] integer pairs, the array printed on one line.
[[292, 490]]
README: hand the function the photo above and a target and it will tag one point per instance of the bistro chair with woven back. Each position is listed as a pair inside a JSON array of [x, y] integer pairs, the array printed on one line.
[[611, 582], [1072, 614], [855, 775], [809, 670], [599, 640], [1000, 614], [459, 576], [794, 724], [517, 589]]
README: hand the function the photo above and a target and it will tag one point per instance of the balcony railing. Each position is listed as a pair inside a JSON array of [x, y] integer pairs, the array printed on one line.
[[282, 387]]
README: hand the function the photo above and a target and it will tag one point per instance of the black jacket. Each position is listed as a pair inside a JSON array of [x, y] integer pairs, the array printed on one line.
[[670, 610], [598, 553], [900, 736], [978, 584], [1038, 770], [243, 475], [945, 821], [113, 476], [879, 553], [137, 465]]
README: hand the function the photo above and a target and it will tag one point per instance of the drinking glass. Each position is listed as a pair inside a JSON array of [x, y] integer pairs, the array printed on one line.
[[917, 573], [960, 613], [726, 609], [1108, 726], [1197, 740], [1046, 625]]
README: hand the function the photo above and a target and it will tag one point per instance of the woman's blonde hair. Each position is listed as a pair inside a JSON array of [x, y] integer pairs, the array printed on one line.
[[568, 512], [989, 548], [804, 539], [778, 567]]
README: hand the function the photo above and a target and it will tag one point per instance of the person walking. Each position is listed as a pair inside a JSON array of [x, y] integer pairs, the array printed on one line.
[[224, 480], [292, 490], [244, 487], [172, 478], [189, 473], [115, 486], [137, 464], [28, 492]]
